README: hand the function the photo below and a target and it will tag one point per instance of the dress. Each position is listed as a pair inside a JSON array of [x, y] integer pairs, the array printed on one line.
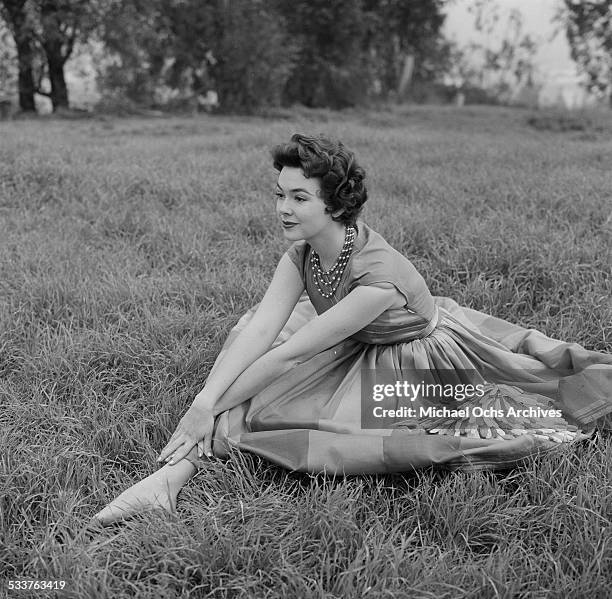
[[315, 419]]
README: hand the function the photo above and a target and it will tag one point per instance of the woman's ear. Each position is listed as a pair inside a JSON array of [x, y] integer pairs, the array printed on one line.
[[338, 212]]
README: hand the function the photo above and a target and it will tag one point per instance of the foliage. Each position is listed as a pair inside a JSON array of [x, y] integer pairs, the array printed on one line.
[[253, 55], [563, 122], [58, 25], [398, 30], [589, 31], [136, 39], [354, 51], [236, 47], [16, 15], [8, 79], [258, 53], [503, 67], [45, 33], [331, 68]]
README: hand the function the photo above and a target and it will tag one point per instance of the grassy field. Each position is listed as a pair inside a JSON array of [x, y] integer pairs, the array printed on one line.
[[129, 248]]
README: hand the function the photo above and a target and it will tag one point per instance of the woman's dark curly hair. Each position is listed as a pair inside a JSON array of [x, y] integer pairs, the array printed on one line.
[[341, 177]]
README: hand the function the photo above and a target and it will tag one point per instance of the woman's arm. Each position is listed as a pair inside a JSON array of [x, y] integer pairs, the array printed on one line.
[[196, 426], [226, 389], [258, 335], [360, 307]]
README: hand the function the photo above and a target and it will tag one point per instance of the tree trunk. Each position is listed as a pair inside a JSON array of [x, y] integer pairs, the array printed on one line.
[[22, 35], [406, 76], [26, 75], [55, 63]]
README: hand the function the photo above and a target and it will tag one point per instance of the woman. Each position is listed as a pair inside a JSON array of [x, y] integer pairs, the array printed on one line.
[[368, 372]]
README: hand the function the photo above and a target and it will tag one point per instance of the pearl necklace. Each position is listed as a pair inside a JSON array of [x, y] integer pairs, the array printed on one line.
[[330, 279]]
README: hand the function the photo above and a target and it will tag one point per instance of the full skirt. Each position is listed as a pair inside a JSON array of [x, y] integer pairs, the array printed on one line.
[[313, 418]]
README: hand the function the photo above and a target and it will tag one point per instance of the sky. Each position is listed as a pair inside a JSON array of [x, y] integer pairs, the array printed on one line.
[[556, 70]]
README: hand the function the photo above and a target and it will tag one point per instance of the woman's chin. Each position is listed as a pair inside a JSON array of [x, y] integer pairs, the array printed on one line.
[[292, 234]]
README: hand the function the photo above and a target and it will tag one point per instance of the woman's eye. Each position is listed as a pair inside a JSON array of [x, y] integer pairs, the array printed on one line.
[[281, 196]]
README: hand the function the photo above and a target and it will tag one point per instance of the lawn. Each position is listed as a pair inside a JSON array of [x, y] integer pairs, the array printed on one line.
[[130, 247]]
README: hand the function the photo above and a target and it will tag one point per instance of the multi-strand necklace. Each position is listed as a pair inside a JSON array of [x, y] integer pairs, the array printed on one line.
[[330, 279]]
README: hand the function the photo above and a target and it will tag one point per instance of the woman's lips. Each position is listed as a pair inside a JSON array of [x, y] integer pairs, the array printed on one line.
[[288, 224]]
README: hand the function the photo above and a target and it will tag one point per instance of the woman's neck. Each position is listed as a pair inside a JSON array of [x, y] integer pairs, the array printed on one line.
[[328, 244]]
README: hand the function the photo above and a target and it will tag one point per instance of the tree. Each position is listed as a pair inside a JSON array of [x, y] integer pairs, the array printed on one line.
[[58, 25], [136, 40], [239, 48], [500, 67], [257, 53], [7, 58], [404, 41], [45, 32], [588, 26], [255, 71], [354, 49], [15, 14], [331, 67]]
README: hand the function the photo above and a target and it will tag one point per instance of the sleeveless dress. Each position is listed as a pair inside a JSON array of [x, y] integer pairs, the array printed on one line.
[[527, 392]]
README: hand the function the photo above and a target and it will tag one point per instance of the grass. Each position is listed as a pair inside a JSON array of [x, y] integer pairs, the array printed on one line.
[[128, 250]]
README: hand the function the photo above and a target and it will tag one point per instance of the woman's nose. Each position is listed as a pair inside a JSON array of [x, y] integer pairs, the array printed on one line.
[[283, 207]]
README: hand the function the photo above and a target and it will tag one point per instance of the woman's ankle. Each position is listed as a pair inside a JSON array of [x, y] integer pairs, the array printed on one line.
[[193, 458], [176, 475]]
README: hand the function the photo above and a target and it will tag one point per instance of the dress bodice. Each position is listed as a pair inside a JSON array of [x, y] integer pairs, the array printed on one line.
[[373, 261]]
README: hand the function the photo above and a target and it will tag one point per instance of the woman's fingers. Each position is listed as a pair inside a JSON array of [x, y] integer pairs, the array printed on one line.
[[204, 447], [195, 428], [208, 446], [163, 454], [180, 453], [170, 448]]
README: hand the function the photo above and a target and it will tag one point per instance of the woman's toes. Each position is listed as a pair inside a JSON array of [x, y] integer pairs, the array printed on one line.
[[135, 500]]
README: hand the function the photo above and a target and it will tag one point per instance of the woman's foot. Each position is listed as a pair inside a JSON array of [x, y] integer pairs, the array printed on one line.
[[157, 491]]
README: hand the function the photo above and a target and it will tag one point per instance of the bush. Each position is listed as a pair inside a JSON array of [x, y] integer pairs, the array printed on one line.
[[169, 55], [430, 92], [332, 68], [560, 122], [251, 74]]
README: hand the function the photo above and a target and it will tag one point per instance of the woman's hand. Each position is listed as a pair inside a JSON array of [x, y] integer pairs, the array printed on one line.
[[195, 427]]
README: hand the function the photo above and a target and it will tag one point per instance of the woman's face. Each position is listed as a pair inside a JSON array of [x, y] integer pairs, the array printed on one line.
[[300, 206]]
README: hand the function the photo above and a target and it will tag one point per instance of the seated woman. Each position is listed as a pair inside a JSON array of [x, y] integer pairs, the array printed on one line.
[[366, 371]]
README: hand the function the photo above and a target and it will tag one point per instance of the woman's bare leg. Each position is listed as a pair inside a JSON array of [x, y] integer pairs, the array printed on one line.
[[158, 490]]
